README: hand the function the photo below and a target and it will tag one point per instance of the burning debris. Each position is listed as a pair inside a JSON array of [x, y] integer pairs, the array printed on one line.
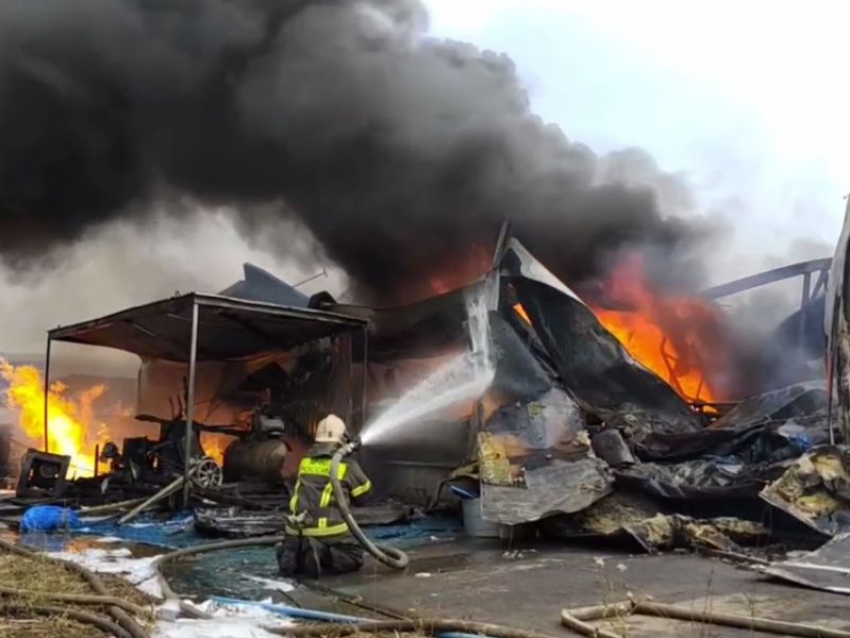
[[586, 419], [71, 430], [559, 384], [681, 339], [514, 371], [575, 382], [407, 192]]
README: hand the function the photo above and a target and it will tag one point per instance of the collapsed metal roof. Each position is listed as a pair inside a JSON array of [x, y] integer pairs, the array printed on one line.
[[228, 329], [260, 285]]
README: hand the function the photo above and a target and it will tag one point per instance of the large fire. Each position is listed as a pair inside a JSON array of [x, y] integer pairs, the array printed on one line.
[[678, 338], [72, 427]]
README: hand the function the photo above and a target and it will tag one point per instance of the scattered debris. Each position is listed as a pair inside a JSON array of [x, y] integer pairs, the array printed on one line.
[[815, 490], [635, 517], [828, 568]]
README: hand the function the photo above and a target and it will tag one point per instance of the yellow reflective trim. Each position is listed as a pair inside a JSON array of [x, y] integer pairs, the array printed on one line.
[[362, 489], [323, 523], [327, 494], [333, 530], [293, 502], [320, 467], [315, 467]]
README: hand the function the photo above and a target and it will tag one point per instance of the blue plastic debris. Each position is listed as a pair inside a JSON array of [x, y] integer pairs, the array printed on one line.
[[49, 518], [462, 493], [801, 443], [175, 532]]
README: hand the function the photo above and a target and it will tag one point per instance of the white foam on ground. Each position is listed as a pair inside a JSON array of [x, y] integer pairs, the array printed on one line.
[[229, 621], [138, 571], [271, 584]]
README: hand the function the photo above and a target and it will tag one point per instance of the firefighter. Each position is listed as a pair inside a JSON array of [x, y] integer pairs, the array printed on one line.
[[318, 540]]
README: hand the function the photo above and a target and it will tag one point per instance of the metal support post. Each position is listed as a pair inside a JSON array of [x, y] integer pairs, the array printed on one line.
[[365, 369], [190, 405], [805, 297], [47, 396]]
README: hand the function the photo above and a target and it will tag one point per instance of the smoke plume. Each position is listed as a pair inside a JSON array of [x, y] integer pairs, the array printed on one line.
[[396, 150], [124, 264]]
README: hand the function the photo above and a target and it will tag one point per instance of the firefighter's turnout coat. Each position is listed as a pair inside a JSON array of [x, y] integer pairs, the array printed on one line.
[[314, 496]]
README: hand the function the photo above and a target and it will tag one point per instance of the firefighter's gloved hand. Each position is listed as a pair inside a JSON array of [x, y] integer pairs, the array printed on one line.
[[297, 520]]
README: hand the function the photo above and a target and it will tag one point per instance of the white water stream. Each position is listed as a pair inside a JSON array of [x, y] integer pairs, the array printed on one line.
[[462, 378]]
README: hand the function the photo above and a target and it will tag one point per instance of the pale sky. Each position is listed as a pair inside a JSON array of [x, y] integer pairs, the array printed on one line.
[[747, 98]]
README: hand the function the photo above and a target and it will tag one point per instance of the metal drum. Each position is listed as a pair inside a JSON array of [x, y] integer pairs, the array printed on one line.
[[255, 460]]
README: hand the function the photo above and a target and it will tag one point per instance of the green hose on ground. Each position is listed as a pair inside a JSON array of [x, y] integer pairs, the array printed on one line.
[[389, 556]]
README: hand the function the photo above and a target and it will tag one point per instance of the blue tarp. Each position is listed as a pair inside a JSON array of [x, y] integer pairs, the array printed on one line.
[[49, 518], [178, 531], [240, 573]]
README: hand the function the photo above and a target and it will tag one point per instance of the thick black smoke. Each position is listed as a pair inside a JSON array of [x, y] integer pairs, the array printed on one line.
[[397, 150]]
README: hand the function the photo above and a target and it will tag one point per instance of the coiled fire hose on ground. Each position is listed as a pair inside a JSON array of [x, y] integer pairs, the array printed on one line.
[[122, 624], [389, 556]]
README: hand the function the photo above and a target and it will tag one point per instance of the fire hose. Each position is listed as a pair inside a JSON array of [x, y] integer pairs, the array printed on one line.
[[122, 625], [389, 556]]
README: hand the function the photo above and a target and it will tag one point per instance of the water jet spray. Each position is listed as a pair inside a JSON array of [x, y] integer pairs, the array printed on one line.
[[463, 378]]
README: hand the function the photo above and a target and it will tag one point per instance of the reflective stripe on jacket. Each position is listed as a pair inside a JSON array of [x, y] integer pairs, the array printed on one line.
[[314, 492]]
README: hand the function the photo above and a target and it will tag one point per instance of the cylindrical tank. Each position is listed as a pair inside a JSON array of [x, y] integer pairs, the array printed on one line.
[[255, 460]]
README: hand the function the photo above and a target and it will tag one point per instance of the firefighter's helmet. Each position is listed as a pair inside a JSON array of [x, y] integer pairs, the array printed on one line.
[[331, 429]]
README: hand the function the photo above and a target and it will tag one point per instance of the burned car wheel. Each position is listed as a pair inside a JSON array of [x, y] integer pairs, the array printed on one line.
[[207, 473]]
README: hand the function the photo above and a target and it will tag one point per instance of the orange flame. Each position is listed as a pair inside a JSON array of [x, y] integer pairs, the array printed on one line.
[[72, 430], [679, 339], [214, 446], [522, 313]]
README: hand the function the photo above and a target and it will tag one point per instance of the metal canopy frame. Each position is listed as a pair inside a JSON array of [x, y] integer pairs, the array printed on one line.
[[805, 269], [187, 309]]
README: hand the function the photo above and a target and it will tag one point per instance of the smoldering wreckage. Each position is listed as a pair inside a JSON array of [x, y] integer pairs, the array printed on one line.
[[509, 390], [508, 399]]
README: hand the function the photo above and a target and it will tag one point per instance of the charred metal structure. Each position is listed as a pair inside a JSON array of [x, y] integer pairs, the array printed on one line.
[[548, 416], [43, 475], [6, 470], [196, 342], [795, 349]]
